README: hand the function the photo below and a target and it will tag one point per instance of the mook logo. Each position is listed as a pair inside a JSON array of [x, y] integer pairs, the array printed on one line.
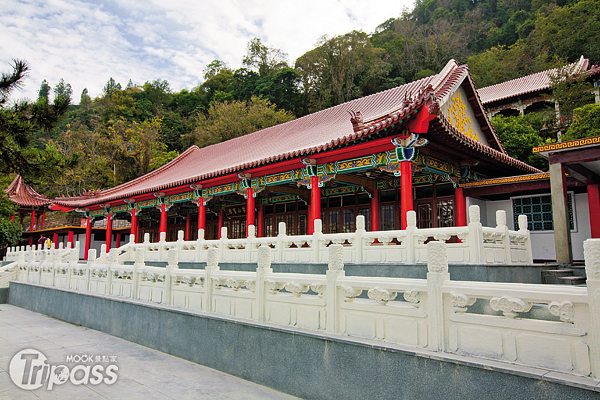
[[29, 369]]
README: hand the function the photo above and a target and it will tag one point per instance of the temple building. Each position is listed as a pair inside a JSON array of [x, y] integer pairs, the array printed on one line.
[[426, 146]]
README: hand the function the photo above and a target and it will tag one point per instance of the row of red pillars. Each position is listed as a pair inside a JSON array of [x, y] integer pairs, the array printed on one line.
[[314, 211]]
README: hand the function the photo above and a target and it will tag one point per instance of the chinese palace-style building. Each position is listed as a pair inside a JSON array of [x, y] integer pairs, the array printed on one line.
[[426, 146]]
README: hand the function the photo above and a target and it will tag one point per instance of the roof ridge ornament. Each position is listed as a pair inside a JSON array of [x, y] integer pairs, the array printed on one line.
[[357, 121]]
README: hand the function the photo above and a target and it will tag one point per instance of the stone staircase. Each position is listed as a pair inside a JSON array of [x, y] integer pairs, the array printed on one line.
[[557, 275]]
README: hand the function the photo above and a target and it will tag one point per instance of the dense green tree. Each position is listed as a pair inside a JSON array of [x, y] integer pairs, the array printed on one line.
[[586, 123], [18, 124], [341, 68], [264, 60], [232, 119], [44, 91], [501, 64], [519, 135], [10, 231], [570, 31], [111, 86]]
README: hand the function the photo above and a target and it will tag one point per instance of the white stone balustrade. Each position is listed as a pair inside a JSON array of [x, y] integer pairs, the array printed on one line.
[[472, 244], [554, 327]]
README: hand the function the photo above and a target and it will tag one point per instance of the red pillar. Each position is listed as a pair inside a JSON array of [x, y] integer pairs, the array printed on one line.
[[70, 240], [261, 221], [187, 227], [375, 210], [249, 209], [108, 232], [461, 207], [163, 219], [12, 218], [55, 240], [594, 206], [32, 225], [88, 237], [44, 219], [31, 240], [220, 223], [406, 195], [201, 214], [315, 201], [134, 226], [118, 241]]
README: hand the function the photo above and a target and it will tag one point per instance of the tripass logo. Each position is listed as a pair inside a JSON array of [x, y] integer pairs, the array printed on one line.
[[29, 369]]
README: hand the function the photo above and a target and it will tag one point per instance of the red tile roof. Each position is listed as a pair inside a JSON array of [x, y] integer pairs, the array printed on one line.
[[316, 132], [530, 83], [21, 193]]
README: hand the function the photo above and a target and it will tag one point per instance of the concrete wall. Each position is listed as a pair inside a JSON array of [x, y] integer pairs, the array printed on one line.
[[542, 243], [305, 364], [3, 295], [471, 201]]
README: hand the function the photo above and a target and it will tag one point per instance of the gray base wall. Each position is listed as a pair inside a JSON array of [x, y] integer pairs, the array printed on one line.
[[305, 364], [3, 295], [458, 272]]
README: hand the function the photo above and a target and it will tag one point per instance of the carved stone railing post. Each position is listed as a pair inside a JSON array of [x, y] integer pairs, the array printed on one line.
[[199, 243], [475, 239], [335, 271], [73, 261], [437, 276], [359, 238], [316, 240], [102, 257], [26, 262], [281, 245], [162, 242], [524, 231], [212, 265], [172, 264], [264, 269], [36, 260], [90, 266], [138, 263], [503, 230], [411, 232], [591, 253], [223, 246], [180, 237], [250, 242], [112, 262]]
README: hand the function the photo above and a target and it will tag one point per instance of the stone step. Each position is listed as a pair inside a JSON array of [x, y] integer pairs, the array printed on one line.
[[572, 280], [554, 276], [558, 272]]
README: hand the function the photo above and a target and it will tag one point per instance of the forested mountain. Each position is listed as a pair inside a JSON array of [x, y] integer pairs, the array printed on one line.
[[131, 130]]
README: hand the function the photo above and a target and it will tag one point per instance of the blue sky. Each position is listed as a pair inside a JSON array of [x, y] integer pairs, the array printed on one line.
[[86, 42]]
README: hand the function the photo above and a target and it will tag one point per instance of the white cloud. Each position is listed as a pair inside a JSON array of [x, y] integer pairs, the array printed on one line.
[[87, 41]]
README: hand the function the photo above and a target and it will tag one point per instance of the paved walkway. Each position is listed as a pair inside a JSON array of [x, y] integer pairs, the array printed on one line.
[[142, 373]]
